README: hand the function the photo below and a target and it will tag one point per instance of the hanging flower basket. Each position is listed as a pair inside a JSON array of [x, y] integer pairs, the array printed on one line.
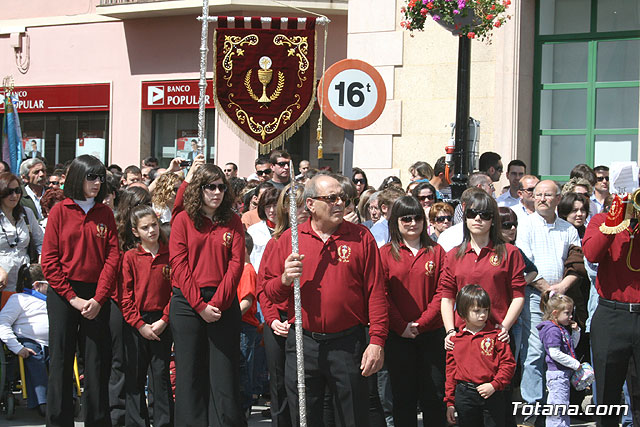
[[465, 18]]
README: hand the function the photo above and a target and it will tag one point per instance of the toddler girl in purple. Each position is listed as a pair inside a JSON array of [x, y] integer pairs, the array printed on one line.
[[559, 345]]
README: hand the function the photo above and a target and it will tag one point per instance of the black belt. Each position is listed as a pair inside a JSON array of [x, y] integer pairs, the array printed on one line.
[[321, 336], [469, 385], [616, 305]]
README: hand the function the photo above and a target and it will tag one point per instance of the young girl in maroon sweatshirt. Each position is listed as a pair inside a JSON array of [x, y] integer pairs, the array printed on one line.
[[479, 366], [146, 291], [80, 258]]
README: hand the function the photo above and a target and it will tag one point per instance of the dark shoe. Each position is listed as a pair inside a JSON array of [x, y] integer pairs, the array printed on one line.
[[266, 413], [42, 410]]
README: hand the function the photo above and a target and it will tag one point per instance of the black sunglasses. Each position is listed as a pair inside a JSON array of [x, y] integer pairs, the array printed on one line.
[[332, 198], [359, 181], [529, 190], [602, 178], [507, 225], [54, 183], [263, 172], [93, 176], [212, 187], [429, 197], [485, 215], [282, 164], [440, 219], [10, 191], [408, 218]]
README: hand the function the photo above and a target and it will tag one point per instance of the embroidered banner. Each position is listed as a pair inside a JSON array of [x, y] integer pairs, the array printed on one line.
[[264, 79]]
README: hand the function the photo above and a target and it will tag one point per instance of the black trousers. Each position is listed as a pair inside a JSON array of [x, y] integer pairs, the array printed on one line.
[[475, 411], [334, 363], [417, 370], [207, 364], [144, 355], [117, 376], [274, 346], [614, 340], [66, 327]]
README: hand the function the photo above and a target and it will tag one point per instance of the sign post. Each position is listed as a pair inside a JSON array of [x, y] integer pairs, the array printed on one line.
[[353, 96]]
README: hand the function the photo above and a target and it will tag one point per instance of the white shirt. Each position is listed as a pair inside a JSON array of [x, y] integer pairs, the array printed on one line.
[[547, 245], [380, 231], [451, 237], [521, 211], [261, 235], [506, 200], [36, 199], [11, 259], [164, 214], [24, 316]]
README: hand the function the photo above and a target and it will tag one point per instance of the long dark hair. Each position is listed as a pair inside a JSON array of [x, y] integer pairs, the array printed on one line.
[[130, 198], [407, 205], [141, 211], [358, 171], [77, 173], [193, 199], [7, 178], [483, 201]]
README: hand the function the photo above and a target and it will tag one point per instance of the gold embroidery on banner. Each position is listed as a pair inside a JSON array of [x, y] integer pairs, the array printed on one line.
[[276, 93], [263, 129], [299, 46], [232, 46]]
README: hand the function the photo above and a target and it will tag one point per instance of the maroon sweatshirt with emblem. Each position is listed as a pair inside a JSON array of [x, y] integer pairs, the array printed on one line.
[[478, 358], [81, 247], [146, 284]]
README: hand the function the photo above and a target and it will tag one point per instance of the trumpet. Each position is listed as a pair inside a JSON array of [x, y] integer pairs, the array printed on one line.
[[635, 201]]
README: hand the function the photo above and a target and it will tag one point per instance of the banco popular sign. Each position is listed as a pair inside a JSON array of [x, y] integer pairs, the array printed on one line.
[[173, 95]]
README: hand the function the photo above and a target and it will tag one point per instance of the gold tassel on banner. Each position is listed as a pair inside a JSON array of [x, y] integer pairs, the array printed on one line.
[[319, 136]]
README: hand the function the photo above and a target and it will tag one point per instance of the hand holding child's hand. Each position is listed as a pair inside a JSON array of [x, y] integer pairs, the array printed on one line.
[[451, 415], [486, 390]]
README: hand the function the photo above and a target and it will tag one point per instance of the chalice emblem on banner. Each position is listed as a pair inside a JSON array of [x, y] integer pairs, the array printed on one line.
[[265, 75]]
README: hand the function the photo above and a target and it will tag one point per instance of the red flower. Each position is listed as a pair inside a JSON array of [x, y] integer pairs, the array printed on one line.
[[489, 17], [412, 3], [423, 12], [493, 7], [497, 24], [430, 5], [403, 9], [471, 34]]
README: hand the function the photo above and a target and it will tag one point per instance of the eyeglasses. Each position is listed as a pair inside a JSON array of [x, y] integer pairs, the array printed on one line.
[[228, 170], [423, 198], [264, 172], [359, 181], [602, 178], [93, 176], [282, 164], [408, 219], [212, 187], [529, 190], [441, 219], [332, 198], [51, 183], [507, 225], [484, 215], [9, 191]]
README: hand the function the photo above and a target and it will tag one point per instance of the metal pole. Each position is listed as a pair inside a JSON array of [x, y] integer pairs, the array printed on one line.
[[203, 75], [460, 154], [297, 302], [347, 150]]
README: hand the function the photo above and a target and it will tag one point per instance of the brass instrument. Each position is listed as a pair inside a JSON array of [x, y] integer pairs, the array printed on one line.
[[634, 201]]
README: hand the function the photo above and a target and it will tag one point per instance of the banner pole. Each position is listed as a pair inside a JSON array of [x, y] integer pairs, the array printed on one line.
[[204, 50], [297, 301]]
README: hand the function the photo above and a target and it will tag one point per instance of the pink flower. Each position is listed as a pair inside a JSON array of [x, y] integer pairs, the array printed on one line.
[[471, 34], [436, 18], [456, 11]]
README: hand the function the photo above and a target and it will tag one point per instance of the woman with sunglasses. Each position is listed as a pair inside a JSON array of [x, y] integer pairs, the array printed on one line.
[[412, 264], [359, 179], [80, 259], [18, 225], [440, 218], [485, 259], [207, 251]]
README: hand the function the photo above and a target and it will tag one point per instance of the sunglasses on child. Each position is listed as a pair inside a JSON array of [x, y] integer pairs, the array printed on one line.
[[212, 187], [93, 176], [484, 215]]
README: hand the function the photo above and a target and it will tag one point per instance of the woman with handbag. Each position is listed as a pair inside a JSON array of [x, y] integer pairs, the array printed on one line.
[[21, 238]]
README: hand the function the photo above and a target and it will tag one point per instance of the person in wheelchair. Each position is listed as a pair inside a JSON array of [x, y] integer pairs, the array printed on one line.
[[24, 329]]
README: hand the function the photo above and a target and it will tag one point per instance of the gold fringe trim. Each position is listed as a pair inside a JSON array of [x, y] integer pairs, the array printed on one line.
[[263, 148], [605, 229]]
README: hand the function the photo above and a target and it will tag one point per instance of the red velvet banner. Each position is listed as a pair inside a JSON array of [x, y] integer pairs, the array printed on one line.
[[264, 79]]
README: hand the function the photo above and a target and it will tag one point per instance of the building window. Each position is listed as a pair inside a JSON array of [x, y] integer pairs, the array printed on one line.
[[586, 85], [175, 130]]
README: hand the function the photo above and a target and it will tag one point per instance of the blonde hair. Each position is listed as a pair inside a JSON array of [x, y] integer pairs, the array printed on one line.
[[551, 301], [165, 189], [282, 209]]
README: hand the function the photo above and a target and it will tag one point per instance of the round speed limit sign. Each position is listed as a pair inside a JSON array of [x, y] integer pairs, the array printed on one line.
[[352, 94]]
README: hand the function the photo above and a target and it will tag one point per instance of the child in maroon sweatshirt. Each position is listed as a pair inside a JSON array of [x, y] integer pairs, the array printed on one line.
[[478, 367]]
